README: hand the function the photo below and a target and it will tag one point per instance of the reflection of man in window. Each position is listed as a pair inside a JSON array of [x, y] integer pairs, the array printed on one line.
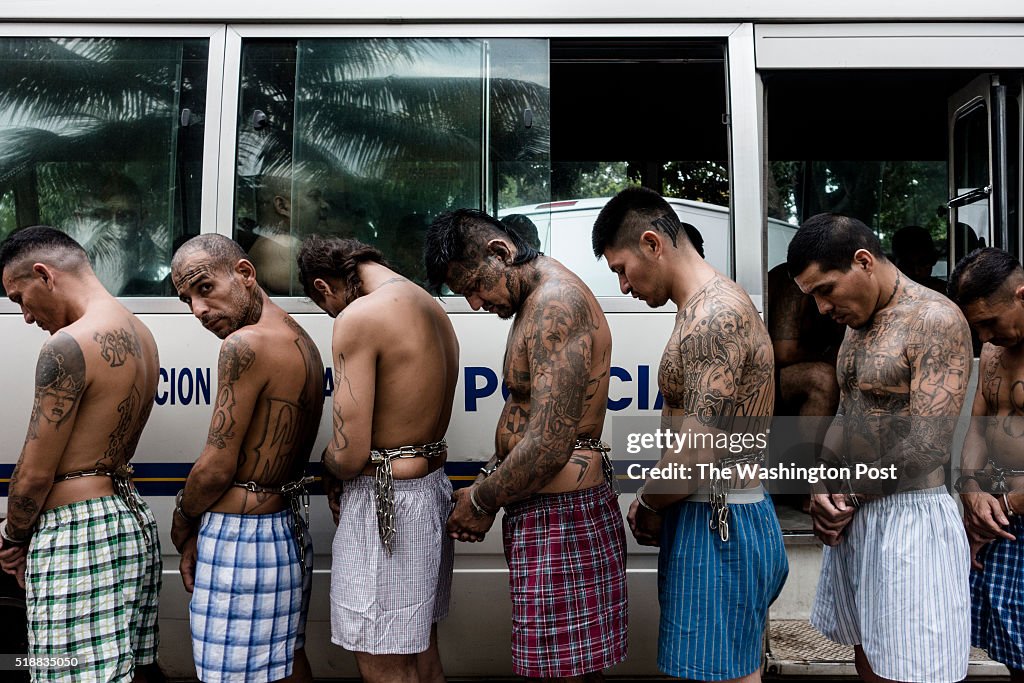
[[110, 225], [282, 223]]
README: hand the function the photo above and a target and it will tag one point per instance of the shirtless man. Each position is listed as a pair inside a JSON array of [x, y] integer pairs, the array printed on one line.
[[396, 364], [562, 518], [894, 575], [716, 377], [73, 515], [249, 564], [988, 285]]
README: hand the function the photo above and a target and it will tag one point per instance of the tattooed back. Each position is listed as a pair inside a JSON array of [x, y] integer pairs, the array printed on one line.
[[270, 390], [97, 378]]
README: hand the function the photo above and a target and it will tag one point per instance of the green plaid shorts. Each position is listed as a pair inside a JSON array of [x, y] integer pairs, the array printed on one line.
[[92, 583]]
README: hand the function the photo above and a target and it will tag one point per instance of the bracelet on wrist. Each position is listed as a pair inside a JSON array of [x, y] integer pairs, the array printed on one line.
[[178, 510], [7, 539], [480, 510], [643, 503]]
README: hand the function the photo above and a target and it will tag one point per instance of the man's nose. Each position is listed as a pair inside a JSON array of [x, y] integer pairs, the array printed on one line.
[[199, 308], [29, 318], [624, 284], [475, 302], [985, 336], [824, 306]]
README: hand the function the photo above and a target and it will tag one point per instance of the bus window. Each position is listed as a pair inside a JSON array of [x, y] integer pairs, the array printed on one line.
[[372, 138], [102, 138]]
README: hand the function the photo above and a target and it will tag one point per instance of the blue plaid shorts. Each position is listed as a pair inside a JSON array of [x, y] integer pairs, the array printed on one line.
[[248, 609], [997, 599]]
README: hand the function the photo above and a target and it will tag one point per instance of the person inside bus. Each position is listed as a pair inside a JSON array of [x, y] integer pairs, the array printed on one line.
[[249, 564], [110, 223], [716, 378], [805, 344], [894, 577], [396, 369], [283, 219], [524, 227], [95, 551], [550, 471], [988, 285], [914, 253]]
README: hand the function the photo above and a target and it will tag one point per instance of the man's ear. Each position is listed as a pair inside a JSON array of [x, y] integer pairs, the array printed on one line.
[[1018, 293], [283, 206], [322, 286], [247, 270], [651, 243], [44, 273], [502, 249], [864, 260]]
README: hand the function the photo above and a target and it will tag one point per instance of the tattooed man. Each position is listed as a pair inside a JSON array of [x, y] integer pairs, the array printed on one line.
[[563, 532], [894, 574], [396, 364], [77, 534], [248, 560], [721, 562], [988, 285]]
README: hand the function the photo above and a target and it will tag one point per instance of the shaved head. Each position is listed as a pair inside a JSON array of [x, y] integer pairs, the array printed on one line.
[[42, 244]]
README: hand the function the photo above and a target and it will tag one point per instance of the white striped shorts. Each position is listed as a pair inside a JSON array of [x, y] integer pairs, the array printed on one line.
[[897, 585], [386, 604]]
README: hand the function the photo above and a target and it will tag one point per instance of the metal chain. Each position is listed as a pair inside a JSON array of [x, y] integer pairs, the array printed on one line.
[[384, 491], [720, 493]]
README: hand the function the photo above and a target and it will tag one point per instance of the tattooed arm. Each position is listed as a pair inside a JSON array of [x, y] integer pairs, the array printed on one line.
[[60, 383], [239, 384], [939, 352], [560, 348], [984, 517], [355, 377]]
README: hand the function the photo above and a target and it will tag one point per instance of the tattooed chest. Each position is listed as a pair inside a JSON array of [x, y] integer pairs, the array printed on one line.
[[875, 373]]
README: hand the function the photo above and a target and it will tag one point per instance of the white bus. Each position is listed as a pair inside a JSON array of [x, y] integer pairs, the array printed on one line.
[[135, 125]]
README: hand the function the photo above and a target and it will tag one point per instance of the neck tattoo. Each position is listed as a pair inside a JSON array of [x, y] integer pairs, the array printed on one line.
[[895, 287]]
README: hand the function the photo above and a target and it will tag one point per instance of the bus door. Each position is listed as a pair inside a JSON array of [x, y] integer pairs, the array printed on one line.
[[984, 165]]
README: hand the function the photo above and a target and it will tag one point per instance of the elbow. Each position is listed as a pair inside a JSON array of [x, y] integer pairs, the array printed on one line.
[[341, 466], [32, 483], [212, 475]]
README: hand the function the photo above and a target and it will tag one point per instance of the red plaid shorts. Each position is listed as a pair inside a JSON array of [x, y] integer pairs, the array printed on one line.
[[566, 555]]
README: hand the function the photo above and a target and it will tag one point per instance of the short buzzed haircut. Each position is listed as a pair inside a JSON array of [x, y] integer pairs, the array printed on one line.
[[830, 240], [44, 244], [462, 235], [631, 212], [334, 258], [981, 274], [223, 251]]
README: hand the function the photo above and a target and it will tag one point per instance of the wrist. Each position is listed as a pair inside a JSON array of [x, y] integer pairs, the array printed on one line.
[[179, 512], [644, 504], [480, 510], [7, 539]]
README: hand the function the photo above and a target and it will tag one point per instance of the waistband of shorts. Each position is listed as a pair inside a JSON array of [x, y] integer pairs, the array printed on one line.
[[366, 482], [256, 519], [920, 496], [81, 509], [734, 497], [546, 501]]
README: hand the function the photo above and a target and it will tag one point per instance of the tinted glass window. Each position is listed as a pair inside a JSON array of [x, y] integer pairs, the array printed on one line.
[[103, 138]]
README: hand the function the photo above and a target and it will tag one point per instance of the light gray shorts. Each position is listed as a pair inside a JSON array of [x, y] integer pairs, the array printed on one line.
[[386, 604], [897, 586]]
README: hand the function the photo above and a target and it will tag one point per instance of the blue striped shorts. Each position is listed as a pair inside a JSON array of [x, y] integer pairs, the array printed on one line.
[[897, 586], [714, 595], [997, 599], [249, 606]]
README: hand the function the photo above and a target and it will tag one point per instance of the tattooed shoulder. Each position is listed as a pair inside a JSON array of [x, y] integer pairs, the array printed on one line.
[[60, 382], [236, 357]]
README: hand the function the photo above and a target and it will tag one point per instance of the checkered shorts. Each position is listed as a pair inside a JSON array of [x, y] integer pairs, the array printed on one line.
[[92, 584], [566, 555], [248, 606], [997, 599]]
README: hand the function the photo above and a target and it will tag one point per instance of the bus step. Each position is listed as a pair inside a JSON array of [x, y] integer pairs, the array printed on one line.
[[795, 649]]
